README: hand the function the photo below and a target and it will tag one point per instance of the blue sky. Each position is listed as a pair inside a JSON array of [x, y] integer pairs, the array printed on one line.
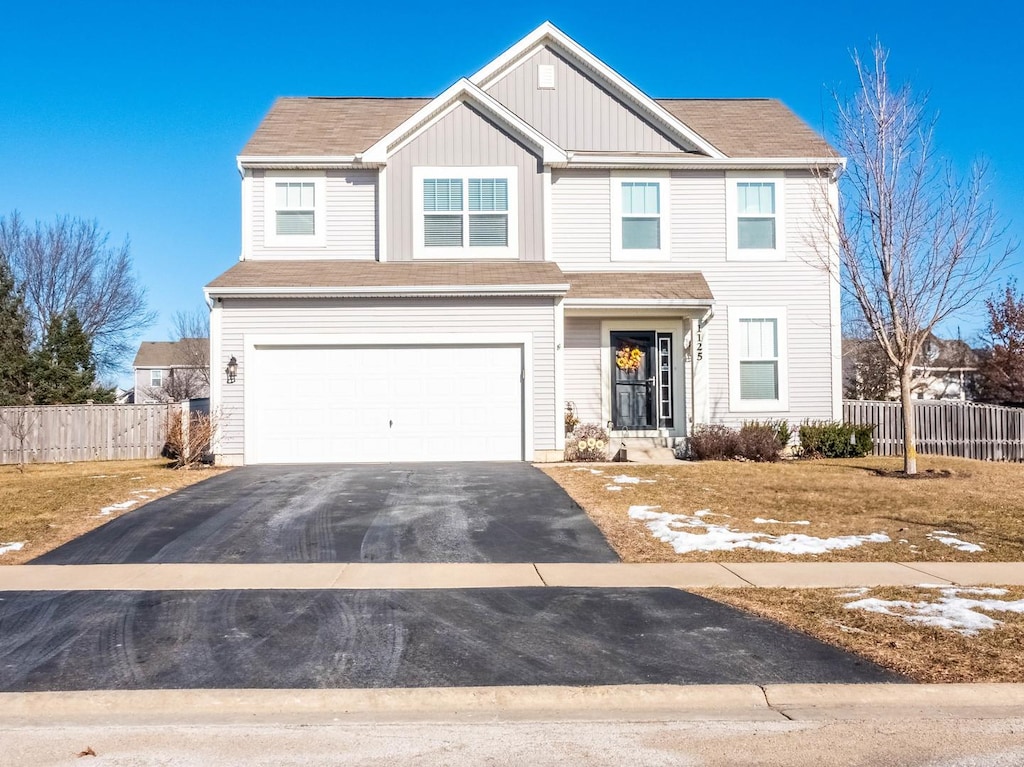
[[132, 112]]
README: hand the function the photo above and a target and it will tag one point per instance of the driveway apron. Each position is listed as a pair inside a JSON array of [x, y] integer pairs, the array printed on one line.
[[468, 512]]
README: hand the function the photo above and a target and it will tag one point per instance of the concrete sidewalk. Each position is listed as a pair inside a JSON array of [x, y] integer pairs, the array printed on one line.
[[357, 575]]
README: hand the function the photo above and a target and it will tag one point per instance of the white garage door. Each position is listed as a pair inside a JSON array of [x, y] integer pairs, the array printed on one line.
[[380, 404]]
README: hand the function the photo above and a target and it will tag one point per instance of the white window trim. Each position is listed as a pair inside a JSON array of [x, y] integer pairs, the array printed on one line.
[[271, 239], [733, 252], [777, 313], [510, 251], [152, 374], [664, 253]]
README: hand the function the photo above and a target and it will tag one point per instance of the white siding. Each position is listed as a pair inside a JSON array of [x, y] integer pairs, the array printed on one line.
[[581, 242], [578, 113], [350, 218], [583, 367], [262, 317], [581, 219]]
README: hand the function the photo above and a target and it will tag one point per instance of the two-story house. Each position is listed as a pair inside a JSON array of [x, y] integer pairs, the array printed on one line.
[[171, 371], [433, 279]]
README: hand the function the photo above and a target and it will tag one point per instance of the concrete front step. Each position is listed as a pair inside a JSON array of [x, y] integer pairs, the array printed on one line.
[[647, 449]]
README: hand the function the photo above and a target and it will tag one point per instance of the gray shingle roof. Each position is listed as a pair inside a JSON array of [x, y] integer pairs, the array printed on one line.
[[165, 354], [346, 126]]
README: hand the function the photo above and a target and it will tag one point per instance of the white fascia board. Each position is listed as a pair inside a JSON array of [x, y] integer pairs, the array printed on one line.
[[402, 291], [462, 90], [549, 32], [298, 161], [595, 160], [637, 303]]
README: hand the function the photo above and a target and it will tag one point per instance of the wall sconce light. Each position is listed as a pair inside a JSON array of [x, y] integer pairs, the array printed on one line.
[[231, 370]]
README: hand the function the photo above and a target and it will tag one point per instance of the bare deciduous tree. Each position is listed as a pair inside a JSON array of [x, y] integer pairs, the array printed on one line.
[[20, 421], [68, 263], [916, 243], [192, 329]]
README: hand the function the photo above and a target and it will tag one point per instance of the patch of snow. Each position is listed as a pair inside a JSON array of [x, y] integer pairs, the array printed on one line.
[[613, 487], [117, 507], [147, 490], [674, 529], [625, 479], [950, 611], [903, 540], [102, 476], [857, 592], [11, 546], [950, 539], [761, 521], [138, 477]]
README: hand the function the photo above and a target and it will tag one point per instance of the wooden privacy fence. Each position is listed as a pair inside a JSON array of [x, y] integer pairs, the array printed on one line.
[[58, 433], [961, 429]]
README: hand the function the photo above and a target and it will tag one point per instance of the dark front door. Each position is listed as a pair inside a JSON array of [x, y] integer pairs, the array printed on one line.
[[634, 382]]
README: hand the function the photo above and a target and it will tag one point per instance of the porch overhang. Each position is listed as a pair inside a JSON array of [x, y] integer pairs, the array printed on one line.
[[682, 292]]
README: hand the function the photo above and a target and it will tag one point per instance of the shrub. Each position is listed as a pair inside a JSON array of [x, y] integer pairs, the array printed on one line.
[[832, 439], [588, 442], [759, 441], [188, 447], [714, 442]]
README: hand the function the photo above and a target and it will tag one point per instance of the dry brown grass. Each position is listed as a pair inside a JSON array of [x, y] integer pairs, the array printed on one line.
[[980, 502], [925, 654], [52, 503]]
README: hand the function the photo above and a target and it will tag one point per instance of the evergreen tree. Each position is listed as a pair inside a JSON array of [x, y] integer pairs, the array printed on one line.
[[63, 367], [14, 353]]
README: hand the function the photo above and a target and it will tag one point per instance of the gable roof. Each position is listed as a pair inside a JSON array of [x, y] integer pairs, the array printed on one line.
[[165, 354], [461, 92], [343, 127], [547, 34]]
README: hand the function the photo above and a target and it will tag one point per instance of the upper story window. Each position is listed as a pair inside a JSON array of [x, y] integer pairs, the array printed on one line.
[[639, 210], [757, 356], [465, 213], [294, 208], [754, 209], [156, 378]]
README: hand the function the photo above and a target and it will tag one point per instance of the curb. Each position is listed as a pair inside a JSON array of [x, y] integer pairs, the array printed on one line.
[[727, 702]]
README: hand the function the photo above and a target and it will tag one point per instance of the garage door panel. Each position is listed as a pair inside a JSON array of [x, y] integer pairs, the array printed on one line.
[[379, 404]]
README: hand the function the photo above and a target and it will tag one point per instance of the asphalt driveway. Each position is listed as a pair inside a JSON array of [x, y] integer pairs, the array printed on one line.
[[400, 638], [453, 512]]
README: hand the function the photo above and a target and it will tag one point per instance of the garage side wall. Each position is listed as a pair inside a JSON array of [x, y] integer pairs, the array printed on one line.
[[403, 319]]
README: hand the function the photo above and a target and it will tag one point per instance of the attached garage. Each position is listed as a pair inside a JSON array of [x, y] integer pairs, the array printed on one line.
[[328, 404]]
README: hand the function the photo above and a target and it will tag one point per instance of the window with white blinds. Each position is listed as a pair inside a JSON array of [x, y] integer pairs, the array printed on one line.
[[295, 208], [759, 358], [755, 205], [469, 214], [641, 215], [755, 220], [757, 352]]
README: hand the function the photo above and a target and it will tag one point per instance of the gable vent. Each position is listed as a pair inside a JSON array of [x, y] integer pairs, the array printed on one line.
[[545, 76]]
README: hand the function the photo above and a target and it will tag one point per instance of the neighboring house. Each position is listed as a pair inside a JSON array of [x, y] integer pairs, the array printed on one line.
[[947, 369], [433, 279], [171, 371]]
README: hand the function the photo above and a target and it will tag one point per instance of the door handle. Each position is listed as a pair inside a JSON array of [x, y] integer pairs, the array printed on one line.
[[390, 423]]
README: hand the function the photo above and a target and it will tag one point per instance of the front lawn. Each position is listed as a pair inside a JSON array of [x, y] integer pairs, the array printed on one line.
[[52, 503], [828, 510], [932, 634]]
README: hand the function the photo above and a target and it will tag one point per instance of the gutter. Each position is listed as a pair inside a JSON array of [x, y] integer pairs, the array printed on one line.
[[378, 291]]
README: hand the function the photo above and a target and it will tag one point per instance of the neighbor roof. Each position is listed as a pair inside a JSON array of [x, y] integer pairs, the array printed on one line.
[[325, 127], [374, 274], [639, 285], [165, 354]]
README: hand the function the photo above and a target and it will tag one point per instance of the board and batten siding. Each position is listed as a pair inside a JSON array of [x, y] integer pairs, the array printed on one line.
[[581, 241], [578, 113], [309, 317], [583, 367], [350, 213], [464, 137]]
